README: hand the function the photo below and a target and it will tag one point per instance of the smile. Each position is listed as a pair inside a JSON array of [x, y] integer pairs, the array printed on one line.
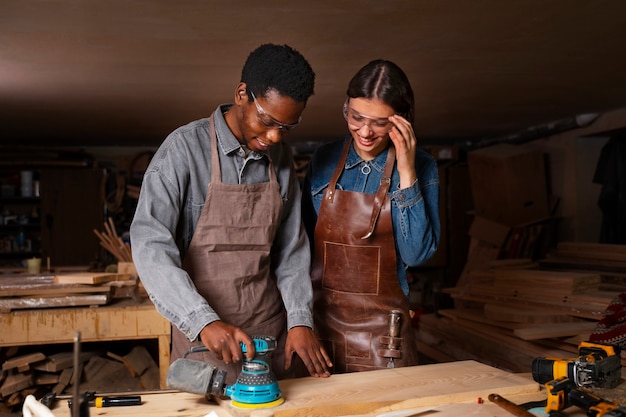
[[263, 144]]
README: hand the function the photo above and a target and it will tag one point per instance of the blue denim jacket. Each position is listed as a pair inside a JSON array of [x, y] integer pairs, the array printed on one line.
[[414, 210]]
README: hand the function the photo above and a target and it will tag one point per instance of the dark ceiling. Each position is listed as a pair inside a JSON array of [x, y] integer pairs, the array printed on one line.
[[127, 72]]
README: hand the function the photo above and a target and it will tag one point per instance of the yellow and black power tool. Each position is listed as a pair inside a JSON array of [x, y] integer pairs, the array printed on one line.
[[563, 394], [597, 365]]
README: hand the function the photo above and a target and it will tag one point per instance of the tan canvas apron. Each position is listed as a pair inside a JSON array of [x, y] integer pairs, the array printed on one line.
[[355, 280], [229, 262]]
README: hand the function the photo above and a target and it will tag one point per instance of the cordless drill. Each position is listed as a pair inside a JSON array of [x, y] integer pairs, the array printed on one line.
[[597, 365], [562, 394]]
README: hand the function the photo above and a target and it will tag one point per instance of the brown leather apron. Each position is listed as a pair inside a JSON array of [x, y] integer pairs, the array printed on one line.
[[355, 280], [229, 262]]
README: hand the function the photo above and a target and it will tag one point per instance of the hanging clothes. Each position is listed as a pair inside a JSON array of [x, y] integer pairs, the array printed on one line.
[[611, 174]]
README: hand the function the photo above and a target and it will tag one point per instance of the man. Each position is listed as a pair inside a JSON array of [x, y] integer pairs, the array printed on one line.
[[217, 236]]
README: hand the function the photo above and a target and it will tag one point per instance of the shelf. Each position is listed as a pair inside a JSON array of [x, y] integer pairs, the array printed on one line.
[[20, 200], [17, 227], [19, 255]]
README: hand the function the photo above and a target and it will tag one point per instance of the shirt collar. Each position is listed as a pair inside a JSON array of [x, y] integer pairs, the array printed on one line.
[[227, 142], [354, 159]]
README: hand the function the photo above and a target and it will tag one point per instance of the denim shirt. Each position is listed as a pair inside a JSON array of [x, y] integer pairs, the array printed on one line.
[[172, 196], [414, 210]]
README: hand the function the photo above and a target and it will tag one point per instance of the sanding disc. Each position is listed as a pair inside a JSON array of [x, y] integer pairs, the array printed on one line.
[[274, 403]]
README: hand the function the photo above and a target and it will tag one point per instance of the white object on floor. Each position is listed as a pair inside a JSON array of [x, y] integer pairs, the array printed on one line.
[[33, 408]]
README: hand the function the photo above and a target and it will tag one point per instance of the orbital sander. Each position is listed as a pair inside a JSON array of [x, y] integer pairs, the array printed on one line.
[[256, 385]]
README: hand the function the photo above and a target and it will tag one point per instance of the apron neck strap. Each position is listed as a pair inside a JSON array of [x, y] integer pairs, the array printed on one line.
[[216, 171], [383, 189]]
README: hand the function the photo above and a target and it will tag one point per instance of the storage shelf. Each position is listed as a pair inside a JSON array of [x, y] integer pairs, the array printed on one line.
[[19, 255], [19, 200], [17, 227]]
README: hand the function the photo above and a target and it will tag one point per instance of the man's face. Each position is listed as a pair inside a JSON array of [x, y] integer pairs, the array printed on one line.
[[264, 121]]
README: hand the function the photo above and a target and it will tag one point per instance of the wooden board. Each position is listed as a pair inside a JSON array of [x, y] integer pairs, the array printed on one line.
[[555, 330], [363, 393], [51, 289], [523, 315], [404, 388], [560, 283], [9, 304], [90, 278]]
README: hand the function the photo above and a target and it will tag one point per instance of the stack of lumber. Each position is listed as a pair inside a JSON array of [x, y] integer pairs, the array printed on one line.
[[65, 290], [38, 374], [508, 312]]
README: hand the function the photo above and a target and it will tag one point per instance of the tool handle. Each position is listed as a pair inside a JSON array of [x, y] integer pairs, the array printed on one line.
[[100, 402], [512, 408]]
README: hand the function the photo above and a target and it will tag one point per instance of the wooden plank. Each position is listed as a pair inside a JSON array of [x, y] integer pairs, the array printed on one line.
[[529, 281], [15, 382], [570, 306], [550, 331], [596, 251], [592, 247], [23, 361], [90, 278], [139, 360], [48, 290], [477, 316], [397, 389], [485, 343], [524, 315], [46, 378], [404, 388], [59, 361], [9, 304]]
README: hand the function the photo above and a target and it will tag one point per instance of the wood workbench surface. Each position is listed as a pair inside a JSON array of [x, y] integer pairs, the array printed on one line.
[[446, 389]]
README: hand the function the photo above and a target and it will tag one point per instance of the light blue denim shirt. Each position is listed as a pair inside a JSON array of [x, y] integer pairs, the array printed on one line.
[[172, 196], [414, 210]]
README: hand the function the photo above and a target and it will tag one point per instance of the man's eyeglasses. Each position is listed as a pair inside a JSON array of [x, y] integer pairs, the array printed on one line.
[[269, 122], [356, 120]]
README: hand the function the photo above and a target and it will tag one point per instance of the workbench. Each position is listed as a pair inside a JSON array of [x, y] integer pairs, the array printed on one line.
[[451, 389], [123, 320]]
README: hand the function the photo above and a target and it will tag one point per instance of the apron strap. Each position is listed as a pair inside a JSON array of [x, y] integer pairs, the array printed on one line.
[[383, 189], [332, 186], [216, 171]]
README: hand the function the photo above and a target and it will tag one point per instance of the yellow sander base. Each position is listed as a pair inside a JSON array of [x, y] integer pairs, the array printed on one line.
[[261, 405]]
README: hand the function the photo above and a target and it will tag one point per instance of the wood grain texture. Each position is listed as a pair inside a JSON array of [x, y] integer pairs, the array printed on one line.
[[373, 393], [90, 278]]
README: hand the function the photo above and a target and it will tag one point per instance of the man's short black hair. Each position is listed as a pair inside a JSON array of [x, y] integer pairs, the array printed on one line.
[[281, 68]]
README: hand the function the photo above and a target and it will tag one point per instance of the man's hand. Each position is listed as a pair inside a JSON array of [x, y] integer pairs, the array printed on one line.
[[223, 340], [302, 341]]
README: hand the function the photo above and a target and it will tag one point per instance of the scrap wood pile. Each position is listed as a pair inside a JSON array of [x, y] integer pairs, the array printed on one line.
[[38, 374], [67, 290], [110, 240], [508, 312]]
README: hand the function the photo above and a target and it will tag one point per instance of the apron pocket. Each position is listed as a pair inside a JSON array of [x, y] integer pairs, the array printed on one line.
[[362, 262]]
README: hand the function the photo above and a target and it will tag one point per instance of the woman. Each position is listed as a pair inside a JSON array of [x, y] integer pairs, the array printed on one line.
[[371, 210]]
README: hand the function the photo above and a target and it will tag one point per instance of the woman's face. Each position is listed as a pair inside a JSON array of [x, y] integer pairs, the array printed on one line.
[[369, 124]]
